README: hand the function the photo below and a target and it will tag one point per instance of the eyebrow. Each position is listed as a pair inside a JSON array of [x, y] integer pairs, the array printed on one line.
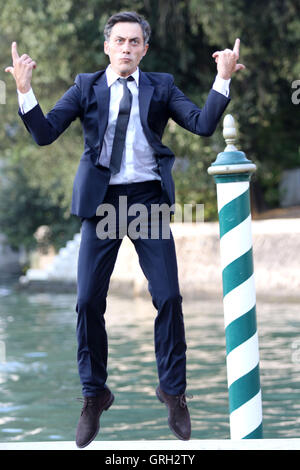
[[131, 39]]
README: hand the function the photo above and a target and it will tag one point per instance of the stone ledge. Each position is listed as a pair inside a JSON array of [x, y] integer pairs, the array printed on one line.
[[276, 248]]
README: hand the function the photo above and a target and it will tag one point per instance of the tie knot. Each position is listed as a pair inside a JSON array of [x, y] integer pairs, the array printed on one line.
[[125, 80]]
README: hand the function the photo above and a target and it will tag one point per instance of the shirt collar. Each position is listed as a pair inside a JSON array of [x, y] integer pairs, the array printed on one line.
[[112, 76]]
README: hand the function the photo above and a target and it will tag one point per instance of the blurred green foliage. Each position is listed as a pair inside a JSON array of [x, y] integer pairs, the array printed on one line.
[[65, 37]]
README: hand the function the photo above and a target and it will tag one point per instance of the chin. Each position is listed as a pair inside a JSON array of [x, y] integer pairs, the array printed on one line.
[[125, 71]]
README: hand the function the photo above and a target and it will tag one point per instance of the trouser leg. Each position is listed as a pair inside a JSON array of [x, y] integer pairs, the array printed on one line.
[[158, 262], [95, 265]]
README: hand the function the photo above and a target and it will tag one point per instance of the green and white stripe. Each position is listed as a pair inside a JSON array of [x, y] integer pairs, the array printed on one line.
[[232, 173], [239, 300]]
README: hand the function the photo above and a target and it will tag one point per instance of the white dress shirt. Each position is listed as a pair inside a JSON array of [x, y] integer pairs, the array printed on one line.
[[138, 162]]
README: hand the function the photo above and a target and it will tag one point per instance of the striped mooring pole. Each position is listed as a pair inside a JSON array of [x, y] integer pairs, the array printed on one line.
[[232, 172]]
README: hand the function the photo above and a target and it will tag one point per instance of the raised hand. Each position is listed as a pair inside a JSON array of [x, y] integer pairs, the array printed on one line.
[[227, 61], [22, 69]]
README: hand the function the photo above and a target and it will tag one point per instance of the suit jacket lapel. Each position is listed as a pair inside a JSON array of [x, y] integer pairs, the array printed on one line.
[[102, 92], [145, 94]]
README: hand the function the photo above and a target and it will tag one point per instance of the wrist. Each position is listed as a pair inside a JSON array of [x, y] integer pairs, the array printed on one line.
[[224, 76], [24, 88]]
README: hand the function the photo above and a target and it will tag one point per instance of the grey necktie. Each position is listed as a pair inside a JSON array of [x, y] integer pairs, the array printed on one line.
[[121, 127]]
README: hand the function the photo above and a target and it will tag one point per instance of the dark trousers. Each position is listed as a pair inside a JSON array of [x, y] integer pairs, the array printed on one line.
[[157, 258]]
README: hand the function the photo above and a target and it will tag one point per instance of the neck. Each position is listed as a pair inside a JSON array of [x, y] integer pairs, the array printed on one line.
[[123, 74]]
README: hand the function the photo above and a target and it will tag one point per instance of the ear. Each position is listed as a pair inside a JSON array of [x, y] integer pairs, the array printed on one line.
[[145, 49], [106, 47]]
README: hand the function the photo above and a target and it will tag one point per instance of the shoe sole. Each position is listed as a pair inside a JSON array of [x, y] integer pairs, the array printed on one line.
[[107, 406], [171, 429]]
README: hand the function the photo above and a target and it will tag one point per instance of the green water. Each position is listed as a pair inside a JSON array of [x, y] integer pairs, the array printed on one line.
[[39, 382]]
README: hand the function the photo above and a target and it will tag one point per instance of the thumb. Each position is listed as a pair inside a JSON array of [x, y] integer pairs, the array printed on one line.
[[240, 67], [10, 69]]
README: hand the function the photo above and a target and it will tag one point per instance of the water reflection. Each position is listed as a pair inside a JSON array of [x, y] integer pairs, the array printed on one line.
[[39, 381]]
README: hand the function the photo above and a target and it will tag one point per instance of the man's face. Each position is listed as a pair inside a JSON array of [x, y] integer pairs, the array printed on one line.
[[125, 48]]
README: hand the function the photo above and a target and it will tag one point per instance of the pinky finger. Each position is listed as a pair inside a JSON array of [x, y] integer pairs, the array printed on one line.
[[32, 64]]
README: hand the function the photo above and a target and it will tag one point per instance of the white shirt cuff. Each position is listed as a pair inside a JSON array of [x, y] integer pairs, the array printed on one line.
[[221, 85], [27, 101]]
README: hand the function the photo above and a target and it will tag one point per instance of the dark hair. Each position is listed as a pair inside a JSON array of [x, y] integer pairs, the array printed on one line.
[[127, 17]]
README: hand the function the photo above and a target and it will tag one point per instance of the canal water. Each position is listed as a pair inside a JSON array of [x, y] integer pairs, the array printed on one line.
[[39, 384]]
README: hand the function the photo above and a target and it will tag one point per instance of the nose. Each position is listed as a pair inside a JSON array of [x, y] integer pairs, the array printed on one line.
[[126, 47]]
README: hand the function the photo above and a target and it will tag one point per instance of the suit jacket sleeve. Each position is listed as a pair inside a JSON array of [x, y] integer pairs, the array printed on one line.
[[199, 121], [46, 129]]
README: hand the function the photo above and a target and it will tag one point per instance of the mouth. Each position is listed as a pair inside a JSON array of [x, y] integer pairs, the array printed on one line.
[[125, 59]]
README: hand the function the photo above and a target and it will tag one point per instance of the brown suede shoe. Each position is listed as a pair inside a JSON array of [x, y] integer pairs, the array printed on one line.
[[89, 421], [179, 417]]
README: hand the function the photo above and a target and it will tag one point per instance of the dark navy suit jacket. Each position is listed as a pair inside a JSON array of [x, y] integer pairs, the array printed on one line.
[[88, 99]]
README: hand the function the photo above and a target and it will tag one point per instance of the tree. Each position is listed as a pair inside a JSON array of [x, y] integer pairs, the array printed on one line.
[[26, 207], [268, 120]]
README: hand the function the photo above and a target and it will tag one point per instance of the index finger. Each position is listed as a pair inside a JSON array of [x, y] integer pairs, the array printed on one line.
[[236, 47], [14, 51]]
